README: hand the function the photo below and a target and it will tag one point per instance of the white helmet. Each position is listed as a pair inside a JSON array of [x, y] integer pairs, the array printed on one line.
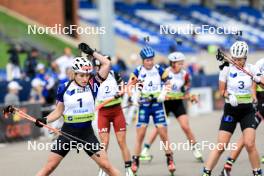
[[176, 56], [239, 49], [82, 65]]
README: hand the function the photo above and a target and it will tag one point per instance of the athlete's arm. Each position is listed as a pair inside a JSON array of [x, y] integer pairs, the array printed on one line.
[[222, 82], [133, 79], [254, 92], [56, 113], [121, 83], [222, 89], [187, 86], [104, 68]]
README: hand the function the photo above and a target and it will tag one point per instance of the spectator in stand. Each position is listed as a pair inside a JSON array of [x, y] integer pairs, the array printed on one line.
[[121, 67], [36, 93], [12, 97], [31, 64], [68, 75], [12, 68], [62, 63], [48, 91], [194, 68]]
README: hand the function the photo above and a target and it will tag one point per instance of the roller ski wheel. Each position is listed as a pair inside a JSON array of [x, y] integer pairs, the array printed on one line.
[[198, 155], [226, 171], [146, 158]]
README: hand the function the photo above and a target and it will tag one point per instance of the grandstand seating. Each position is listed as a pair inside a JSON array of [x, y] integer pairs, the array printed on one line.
[[137, 20]]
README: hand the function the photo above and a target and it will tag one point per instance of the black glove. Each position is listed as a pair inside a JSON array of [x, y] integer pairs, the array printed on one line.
[[219, 55], [221, 67], [130, 100], [117, 95], [86, 48], [8, 109], [42, 119], [152, 99]]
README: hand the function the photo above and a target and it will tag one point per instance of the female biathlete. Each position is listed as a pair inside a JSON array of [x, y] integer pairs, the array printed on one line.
[[76, 103], [260, 92], [238, 89], [112, 113], [151, 105], [260, 108], [180, 86]]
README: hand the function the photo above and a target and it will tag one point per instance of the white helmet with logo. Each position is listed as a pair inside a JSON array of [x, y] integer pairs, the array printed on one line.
[[239, 49], [176, 56], [82, 65]]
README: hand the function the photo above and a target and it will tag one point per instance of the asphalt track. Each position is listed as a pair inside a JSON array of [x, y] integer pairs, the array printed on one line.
[[17, 160]]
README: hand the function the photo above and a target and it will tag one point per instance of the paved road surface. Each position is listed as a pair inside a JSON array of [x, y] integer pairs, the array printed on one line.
[[16, 160]]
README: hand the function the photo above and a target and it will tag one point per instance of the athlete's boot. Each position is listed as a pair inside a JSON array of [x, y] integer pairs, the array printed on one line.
[[197, 154], [206, 172], [257, 172], [262, 159], [135, 164], [129, 172], [145, 155], [170, 163], [102, 173]]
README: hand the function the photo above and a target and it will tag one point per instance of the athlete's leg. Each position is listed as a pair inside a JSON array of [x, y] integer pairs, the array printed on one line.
[[153, 135], [103, 122], [248, 124], [141, 131], [163, 133], [249, 135], [103, 162], [54, 160], [119, 124], [239, 146], [184, 123], [222, 141], [145, 154], [121, 139], [105, 137], [232, 157]]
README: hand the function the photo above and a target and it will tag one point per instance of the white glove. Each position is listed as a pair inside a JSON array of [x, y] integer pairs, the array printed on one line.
[[162, 96], [233, 100], [257, 79]]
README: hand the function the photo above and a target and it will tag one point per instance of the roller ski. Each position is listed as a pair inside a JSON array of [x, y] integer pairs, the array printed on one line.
[[145, 155], [257, 172], [206, 172], [135, 164], [170, 164], [101, 173], [197, 154], [129, 172], [226, 171]]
